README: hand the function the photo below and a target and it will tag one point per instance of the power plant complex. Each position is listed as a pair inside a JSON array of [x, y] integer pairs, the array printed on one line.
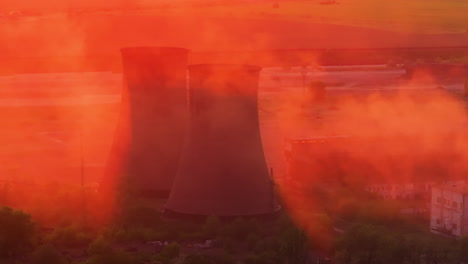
[[200, 147]]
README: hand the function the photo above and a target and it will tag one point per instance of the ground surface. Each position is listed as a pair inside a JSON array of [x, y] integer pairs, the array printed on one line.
[[236, 26], [429, 16], [42, 135]]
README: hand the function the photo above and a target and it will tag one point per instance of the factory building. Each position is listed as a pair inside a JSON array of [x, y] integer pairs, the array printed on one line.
[[449, 210], [401, 191]]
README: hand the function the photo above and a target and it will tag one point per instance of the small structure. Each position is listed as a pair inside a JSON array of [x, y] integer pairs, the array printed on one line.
[[323, 158], [449, 210], [438, 70]]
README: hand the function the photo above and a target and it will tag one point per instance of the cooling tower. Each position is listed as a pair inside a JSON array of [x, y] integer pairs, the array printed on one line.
[[222, 170], [151, 127]]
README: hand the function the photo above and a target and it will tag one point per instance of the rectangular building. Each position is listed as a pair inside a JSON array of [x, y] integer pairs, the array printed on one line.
[[449, 210], [401, 191]]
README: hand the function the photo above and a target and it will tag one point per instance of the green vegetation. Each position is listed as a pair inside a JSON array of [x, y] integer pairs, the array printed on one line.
[[379, 234], [69, 237], [377, 244], [197, 259], [168, 253], [47, 254], [102, 251], [421, 16], [16, 233]]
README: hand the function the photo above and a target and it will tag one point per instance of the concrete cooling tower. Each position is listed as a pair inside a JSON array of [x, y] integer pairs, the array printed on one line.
[[151, 127], [222, 170]]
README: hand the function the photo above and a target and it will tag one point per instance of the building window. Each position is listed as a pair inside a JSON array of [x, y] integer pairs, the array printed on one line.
[[438, 221], [439, 200], [454, 226], [455, 204]]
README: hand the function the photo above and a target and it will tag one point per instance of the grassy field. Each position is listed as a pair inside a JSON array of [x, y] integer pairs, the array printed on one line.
[[88, 38], [47, 142], [421, 16]]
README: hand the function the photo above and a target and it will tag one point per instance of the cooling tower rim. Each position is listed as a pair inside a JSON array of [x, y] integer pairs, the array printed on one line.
[[228, 67], [148, 49]]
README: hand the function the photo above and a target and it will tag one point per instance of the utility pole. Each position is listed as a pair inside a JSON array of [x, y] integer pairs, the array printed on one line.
[[82, 179]]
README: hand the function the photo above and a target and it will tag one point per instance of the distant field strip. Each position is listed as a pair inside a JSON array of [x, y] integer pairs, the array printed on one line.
[[422, 16]]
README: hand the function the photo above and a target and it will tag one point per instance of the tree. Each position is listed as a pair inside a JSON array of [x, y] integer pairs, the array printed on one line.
[[102, 253], [361, 244], [240, 226], [252, 240], [269, 257], [463, 250], [197, 259], [224, 258], [113, 257], [99, 246], [16, 232], [295, 245], [170, 252], [69, 236], [212, 226], [47, 254]]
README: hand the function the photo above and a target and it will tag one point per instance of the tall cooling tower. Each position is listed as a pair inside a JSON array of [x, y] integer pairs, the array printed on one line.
[[153, 118], [222, 170]]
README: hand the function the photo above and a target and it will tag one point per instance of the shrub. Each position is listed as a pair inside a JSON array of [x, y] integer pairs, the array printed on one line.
[[16, 232], [47, 254], [252, 240], [224, 258], [113, 257], [197, 259], [102, 252], [99, 246], [69, 237], [168, 253], [212, 226], [172, 250]]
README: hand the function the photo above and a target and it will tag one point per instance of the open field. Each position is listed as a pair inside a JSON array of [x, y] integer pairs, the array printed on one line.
[[428, 16], [42, 135], [86, 39], [433, 16]]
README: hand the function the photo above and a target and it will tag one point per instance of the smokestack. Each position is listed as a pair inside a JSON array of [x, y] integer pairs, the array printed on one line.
[[151, 127], [222, 170]]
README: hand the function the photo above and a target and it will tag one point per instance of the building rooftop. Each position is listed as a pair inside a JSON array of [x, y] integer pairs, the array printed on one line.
[[455, 187]]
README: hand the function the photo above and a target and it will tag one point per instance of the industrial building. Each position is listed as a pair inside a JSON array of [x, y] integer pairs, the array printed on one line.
[[321, 159], [401, 191], [449, 210], [150, 131], [223, 170]]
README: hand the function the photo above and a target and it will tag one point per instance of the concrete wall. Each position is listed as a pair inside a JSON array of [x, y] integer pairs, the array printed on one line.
[[223, 169]]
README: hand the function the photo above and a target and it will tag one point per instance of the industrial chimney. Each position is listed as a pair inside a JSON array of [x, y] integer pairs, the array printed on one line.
[[222, 170], [153, 116]]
